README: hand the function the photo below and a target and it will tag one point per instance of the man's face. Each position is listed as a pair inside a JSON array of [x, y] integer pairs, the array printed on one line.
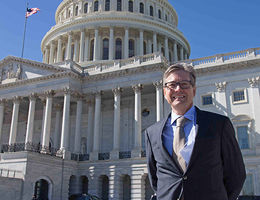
[[181, 100]]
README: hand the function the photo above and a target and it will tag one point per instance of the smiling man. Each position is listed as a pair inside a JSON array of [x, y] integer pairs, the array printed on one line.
[[192, 154]]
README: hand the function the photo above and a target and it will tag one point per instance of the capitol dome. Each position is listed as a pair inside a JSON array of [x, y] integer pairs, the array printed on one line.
[[92, 31]]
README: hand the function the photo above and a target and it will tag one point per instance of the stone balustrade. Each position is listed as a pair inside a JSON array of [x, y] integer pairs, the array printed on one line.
[[226, 58]]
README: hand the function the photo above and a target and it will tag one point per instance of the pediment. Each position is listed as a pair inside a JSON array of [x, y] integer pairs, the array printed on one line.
[[13, 69], [241, 118]]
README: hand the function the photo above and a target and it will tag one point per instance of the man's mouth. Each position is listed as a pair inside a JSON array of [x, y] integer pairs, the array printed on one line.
[[178, 97]]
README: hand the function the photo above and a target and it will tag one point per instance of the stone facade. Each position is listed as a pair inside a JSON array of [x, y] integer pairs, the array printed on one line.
[[74, 123]]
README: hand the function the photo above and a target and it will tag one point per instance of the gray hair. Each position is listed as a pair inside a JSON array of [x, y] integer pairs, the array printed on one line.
[[181, 66]]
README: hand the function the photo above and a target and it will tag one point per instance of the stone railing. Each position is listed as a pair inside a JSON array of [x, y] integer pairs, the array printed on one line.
[[79, 157], [11, 173], [102, 67], [226, 58], [124, 154]]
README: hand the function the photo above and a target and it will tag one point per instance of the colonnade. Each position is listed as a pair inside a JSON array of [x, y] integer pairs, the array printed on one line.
[[91, 45], [94, 120]]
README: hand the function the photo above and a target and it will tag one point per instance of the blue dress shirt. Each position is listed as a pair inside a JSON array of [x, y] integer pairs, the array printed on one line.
[[189, 130]]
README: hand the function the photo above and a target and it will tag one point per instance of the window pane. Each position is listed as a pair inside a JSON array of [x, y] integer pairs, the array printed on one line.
[[96, 6], [239, 95], [91, 49], [130, 6], [141, 8], [86, 8], [242, 137], [131, 48], [159, 14], [76, 11], [107, 5], [118, 49], [151, 11], [248, 188], [207, 100], [119, 5], [105, 49]]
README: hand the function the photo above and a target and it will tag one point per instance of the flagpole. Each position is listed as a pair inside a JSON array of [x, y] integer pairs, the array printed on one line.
[[25, 23]]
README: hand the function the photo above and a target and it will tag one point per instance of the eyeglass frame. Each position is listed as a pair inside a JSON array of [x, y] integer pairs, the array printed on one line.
[[179, 84]]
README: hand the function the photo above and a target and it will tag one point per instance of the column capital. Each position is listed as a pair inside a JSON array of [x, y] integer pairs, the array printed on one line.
[[158, 84], [253, 82], [33, 96], [2, 101], [137, 87], [98, 93], [221, 86], [16, 99], [77, 95], [117, 91], [49, 93], [67, 90]]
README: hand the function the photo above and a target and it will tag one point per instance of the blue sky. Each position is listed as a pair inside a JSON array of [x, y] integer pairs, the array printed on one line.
[[211, 26]]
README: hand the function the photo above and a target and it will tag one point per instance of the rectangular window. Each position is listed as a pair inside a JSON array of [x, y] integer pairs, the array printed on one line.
[[239, 96], [242, 137], [248, 188], [207, 100]]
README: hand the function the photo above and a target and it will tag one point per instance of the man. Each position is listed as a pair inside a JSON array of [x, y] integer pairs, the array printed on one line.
[[192, 154]]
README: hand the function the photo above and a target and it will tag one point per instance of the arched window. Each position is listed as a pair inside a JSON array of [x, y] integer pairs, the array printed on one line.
[[76, 11], [119, 5], [107, 5], [130, 6], [118, 48], [126, 187], [91, 50], [86, 8], [162, 50], [131, 48], [141, 8], [151, 11], [95, 6], [159, 14], [69, 14], [166, 17], [105, 49], [72, 52], [41, 189], [64, 54], [104, 187]]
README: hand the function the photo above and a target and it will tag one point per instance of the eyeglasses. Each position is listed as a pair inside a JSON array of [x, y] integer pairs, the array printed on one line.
[[183, 84]]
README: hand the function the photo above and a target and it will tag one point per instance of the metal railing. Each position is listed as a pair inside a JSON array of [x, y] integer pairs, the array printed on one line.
[[124, 154]]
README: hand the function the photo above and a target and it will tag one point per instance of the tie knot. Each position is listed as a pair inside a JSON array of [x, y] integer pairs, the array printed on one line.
[[181, 121]]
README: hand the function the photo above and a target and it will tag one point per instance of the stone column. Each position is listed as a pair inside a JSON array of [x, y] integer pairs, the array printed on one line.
[[43, 114], [97, 125], [14, 123], [82, 43], [136, 152], [77, 142], [30, 122], [65, 123], [86, 49], [59, 51], [159, 100], [68, 56], [51, 52], [96, 54], [181, 53], [76, 51], [126, 44], [175, 52], [221, 97], [47, 123], [57, 126], [2, 106], [116, 144], [166, 48], [90, 125], [111, 43], [141, 36], [154, 42], [47, 55]]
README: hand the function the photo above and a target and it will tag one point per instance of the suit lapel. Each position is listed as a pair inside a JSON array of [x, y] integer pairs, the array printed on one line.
[[202, 125], [164, 151]]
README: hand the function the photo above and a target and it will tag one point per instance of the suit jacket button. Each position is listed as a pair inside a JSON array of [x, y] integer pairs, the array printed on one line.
[[185, 178]]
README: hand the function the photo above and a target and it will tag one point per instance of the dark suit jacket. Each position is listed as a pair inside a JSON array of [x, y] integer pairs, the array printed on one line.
[[215, 172]]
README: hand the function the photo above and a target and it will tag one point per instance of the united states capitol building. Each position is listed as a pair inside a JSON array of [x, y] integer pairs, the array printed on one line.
[[74, 123]]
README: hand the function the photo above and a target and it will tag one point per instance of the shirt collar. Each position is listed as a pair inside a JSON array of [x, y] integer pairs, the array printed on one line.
[[190, 114]]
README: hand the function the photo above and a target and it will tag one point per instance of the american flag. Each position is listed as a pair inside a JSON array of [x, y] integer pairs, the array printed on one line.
[[31, 11]]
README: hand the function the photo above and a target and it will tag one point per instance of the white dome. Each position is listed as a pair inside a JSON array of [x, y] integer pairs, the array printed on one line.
[[95, 30]]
